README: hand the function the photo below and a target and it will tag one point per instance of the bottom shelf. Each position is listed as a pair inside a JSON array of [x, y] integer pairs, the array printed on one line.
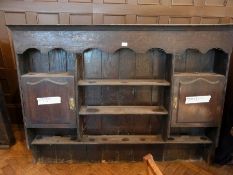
[[4, 146], [187, 139], [119, 139]]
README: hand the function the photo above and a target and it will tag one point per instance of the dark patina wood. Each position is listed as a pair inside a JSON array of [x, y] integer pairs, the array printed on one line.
[[102, 37], [128, 85], [6, 135], [48, 85], [200, 114]]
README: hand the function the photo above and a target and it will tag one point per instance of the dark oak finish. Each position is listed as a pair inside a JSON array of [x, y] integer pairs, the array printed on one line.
[[141, 74], [86, 12], [18, 160], [125, 82], [119, 139], [71, 12], [197, 114], [6, 135], [56, 115], [146, 36], [122, 110]]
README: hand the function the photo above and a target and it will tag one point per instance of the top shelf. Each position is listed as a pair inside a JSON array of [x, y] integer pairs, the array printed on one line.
[[36, 74], [193, 74], [123, 82]]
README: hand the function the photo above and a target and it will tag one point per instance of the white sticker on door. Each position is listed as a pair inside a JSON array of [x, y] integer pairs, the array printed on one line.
[[48, 100], [198, 99]]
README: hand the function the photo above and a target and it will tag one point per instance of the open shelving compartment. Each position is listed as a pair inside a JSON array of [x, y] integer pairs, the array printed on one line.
[[107, 98], [120, 88]]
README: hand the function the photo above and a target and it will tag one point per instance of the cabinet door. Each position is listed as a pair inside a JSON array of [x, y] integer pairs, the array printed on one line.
[[197, 100], [48, 101]]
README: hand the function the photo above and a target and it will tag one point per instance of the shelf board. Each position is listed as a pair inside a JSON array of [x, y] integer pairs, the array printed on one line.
[[124, 82], [54, 140], [118, 139], [189, 139], [4, 146], [121, 110], [194, 74], [99, 139], [49, 74]]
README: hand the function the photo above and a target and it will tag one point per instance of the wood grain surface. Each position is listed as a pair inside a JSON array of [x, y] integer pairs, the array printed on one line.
[[18, 161], [73, 12]]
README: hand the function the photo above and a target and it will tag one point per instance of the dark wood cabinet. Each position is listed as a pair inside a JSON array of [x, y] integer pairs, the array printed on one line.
[[197, 99], [49, 100], [118, 92]]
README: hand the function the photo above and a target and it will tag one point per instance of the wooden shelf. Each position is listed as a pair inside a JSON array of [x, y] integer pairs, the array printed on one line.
[[50, 74], [194, 74], [4, 146], [187, 139], [99, 139], [119, 139], [124, 82], [119, 110]]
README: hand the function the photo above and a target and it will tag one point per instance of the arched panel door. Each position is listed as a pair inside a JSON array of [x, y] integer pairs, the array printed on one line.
[[49, 100], [197, 99]]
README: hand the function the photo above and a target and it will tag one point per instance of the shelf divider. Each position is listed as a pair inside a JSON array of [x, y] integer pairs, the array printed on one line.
[[121, 110]]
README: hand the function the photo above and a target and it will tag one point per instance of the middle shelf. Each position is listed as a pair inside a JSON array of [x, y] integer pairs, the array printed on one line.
[[123, 82], [122, 110]]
